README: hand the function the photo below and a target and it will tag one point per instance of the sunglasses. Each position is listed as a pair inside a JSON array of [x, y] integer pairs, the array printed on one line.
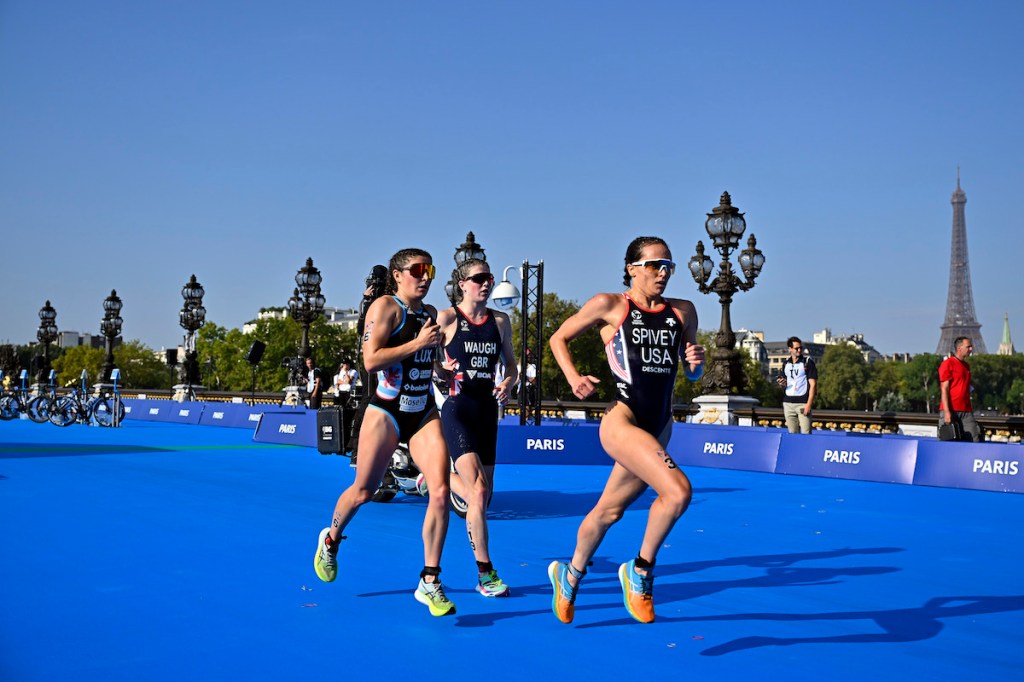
[[656, 265], [418, 270], [480, 278]]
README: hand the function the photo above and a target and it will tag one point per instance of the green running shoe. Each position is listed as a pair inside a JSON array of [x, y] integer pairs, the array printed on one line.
[[432, 594], [325, 561], [492, 586]]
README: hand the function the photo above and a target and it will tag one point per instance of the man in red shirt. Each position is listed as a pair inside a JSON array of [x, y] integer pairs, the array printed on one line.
[[955, 389]]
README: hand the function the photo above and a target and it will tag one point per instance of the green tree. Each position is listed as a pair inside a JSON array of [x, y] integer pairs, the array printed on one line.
[[140, 367], [685, 390], [9, 362], [884, 382], [992, 376], [842, 375], [224, 352], [1015, 397], [70, 364], [768, 393], [892, 402], [587, 352], [919, 382]]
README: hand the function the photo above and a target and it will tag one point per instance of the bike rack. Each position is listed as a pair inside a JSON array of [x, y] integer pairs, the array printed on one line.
[[114, 376]]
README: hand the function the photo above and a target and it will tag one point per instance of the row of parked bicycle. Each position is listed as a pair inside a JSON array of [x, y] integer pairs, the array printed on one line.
[[77, 406]]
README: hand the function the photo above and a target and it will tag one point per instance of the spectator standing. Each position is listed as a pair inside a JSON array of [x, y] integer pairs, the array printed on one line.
[[314, 384], [955, 390], [800, 378], [344, 380]]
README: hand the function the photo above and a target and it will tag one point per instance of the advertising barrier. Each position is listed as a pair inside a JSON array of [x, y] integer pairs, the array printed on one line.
[[857, 458], [747, 448], [863, 457], [235, 415], [163, 411], [555, 444], [977, 466], [287, 427]]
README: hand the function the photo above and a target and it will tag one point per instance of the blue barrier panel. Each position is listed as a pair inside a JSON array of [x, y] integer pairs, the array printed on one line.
[[163, 411], [183, 413], [724, 447], [132, 407], [147, 410], [851, 457], [287, 427], [220, 414], [250, 419], [978, 466], [577, 444], [235, 415]]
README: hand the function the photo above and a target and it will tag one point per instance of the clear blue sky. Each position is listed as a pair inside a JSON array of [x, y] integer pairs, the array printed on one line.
[[142, 142]]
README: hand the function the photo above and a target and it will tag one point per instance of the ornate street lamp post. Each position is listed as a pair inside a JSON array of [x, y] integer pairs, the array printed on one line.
[[725, 226], [110, 327], [305, 305], [47, 334], [191, 318], [467, 250]]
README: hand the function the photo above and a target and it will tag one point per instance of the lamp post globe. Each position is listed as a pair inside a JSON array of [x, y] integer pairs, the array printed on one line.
[[467, 250], [725, 226], [505, 295], [46, 334], [110, 327]]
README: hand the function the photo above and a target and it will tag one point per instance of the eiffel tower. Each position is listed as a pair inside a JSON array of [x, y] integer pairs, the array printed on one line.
[[960, 318]]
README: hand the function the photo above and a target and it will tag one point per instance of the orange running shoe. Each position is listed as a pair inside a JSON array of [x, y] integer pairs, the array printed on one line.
[[564, 597], [637, 592]]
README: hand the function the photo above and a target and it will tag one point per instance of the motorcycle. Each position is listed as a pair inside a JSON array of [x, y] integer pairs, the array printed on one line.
[[402, 475]]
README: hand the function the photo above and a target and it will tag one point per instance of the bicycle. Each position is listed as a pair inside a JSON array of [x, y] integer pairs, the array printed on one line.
[[39, 408], [79, 406], [15, 402]]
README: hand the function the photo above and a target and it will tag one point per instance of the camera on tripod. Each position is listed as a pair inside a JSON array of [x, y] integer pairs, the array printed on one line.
[[376, 281], [294, 363]]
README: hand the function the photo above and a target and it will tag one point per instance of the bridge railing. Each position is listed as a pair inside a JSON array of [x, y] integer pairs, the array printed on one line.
[[997, 428]]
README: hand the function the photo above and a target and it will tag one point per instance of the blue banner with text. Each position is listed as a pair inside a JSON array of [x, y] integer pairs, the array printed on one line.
[[287, 427], [724, 447], [978, 466], [860, 458]]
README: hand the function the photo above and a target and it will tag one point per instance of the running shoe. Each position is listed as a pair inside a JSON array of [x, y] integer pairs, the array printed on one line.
[[325, 561], [432, 594], [492, 586], [637, 592], [564, 597]]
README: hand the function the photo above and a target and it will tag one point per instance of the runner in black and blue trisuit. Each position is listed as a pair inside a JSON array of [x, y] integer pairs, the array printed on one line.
[[476, 340], [399, 344], [646, 336]]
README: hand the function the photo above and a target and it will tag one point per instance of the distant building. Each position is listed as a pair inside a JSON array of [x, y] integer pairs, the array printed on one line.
[[71, 339], [346, 318], [264, 314], [771, 355], [825, 338], [778, 353], [1006, 345], [752, 343]]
